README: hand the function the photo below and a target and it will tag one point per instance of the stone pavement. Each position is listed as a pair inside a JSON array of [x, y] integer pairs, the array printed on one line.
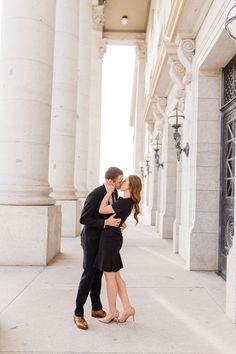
[[178, 311]]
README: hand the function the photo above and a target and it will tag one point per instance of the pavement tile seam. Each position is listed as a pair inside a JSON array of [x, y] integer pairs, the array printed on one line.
[[209, 293], [34, 352], [25, 287]]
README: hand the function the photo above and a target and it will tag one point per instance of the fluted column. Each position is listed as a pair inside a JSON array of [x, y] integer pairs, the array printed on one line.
[[30, 227], [167, 213], [64, 105], [98, 48], [139, 125], [83, 101], [26, 84], [159, 108]]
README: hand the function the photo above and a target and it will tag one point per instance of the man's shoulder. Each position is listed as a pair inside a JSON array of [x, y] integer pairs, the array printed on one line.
[[98, 190]]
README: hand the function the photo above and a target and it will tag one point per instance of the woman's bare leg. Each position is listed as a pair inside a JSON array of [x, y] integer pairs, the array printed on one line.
[[122, 291], [112, 291]]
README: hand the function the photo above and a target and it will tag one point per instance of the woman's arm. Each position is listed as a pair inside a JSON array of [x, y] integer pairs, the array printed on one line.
[[104, 207]]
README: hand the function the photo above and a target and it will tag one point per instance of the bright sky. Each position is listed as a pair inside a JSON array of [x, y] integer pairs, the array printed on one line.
[[116, 133]]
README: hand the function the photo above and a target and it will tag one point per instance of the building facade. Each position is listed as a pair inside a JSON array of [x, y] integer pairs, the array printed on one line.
[[188, 166]]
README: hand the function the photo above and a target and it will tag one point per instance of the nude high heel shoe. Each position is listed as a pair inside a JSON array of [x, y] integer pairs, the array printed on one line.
[[110, 318], [126, 315]]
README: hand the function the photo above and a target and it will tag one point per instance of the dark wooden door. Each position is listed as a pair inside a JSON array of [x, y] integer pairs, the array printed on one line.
[[227, 164]]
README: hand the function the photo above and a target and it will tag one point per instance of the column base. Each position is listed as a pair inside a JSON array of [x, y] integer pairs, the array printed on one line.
[[231, 285], [70, 209], [30, 235], [149, 214], [201, 251], [166, 226], [176, 237]]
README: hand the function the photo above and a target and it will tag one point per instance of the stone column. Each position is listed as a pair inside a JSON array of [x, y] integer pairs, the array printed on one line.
[[98, 48], [139, 125], [63, 121], [153, 180], [83, 100], [30, 223], [147, 180], [158, 109], [168, 186], [177, 222]]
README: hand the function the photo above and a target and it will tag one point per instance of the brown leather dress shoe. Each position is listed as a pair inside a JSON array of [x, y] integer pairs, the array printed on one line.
[[98, 314], [80, 322]]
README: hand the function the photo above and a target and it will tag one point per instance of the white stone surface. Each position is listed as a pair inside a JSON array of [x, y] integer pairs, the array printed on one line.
[[167, 213], [176, 311], [70, 217], [137, 108], [98, 48], [30, 235], [25, 91], [64, 100], [83, 97]]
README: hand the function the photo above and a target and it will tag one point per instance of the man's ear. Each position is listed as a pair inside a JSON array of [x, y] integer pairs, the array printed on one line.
[[110, 182]]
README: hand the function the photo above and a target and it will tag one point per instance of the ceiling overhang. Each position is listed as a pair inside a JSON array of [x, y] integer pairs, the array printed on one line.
[[136, 11]]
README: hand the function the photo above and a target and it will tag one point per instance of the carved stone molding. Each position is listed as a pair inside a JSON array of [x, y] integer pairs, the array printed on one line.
[[98, 17], [140, 49], [150, 127], [186, 52], [102, 48], [159, 105], [177, 73]]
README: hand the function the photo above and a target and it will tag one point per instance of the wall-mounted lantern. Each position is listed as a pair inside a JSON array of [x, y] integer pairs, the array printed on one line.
[[156, 147], [142, 168], [230, 23], [176, 119]]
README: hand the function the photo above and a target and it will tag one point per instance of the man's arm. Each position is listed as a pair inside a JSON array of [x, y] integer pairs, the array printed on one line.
[[87, 215]]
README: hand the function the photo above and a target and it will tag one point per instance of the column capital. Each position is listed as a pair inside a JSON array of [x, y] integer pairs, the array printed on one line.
[[98, 17], [102, 48], [140, 49]]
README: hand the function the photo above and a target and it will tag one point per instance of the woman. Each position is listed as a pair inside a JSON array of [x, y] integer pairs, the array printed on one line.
[[108, 258]]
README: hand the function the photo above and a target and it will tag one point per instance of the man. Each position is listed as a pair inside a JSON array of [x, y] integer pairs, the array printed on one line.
[[94, 223]]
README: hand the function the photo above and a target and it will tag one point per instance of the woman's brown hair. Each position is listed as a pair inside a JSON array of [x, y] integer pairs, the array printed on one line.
[[135, 187]]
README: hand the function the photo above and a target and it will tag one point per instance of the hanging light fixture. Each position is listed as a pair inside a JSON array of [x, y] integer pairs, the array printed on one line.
[[156, 147], [230, 23], [176, 119], [124, 20]]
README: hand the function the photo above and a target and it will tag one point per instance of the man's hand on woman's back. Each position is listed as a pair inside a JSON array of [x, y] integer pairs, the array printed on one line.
[[112, 221]]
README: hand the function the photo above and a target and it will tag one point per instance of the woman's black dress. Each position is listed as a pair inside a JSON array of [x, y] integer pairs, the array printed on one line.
[[108, 258]]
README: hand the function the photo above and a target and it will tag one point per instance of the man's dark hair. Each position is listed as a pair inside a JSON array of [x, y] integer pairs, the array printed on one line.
[[113, 173]]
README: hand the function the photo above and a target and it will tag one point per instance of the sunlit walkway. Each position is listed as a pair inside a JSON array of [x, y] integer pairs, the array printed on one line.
[[177, 311]]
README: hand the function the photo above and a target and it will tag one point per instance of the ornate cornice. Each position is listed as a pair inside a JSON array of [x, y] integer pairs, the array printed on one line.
[[173, 18]]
